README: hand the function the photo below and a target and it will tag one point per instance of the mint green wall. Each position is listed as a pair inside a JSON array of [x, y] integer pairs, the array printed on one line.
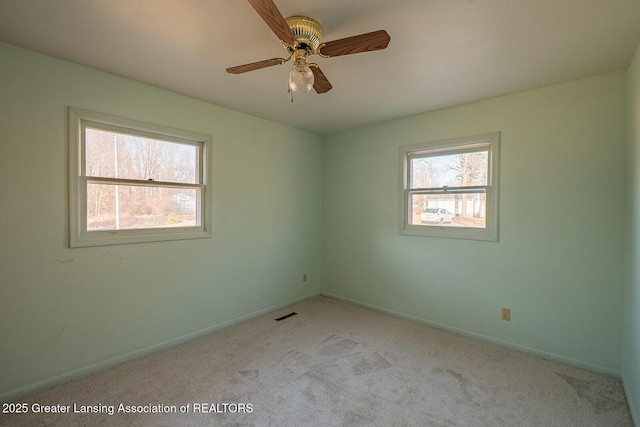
[[67, 312], [631, 347], [559, 263]]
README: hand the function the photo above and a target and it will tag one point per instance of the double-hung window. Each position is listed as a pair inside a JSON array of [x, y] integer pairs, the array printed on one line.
[[133, 182], [450, 188]]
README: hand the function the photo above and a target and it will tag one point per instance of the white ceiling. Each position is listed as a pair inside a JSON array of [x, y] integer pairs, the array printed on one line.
[[442, 52]]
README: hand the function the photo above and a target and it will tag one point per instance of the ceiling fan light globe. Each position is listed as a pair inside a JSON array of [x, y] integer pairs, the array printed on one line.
[[300, 78]]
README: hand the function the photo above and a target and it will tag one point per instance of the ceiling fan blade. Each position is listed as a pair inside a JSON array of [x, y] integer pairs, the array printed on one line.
[[256, 65], [367, 42], [274, 19], [320, 82]]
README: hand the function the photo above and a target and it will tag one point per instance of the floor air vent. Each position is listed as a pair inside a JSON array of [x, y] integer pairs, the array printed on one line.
[[286, 316]]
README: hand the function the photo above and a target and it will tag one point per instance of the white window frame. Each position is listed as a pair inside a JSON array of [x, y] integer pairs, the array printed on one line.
[[79, 236], [452, 146]]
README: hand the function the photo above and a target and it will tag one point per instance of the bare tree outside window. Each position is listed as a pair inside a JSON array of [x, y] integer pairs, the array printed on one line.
[[135, 182], [450, 188], [131, 205], [443, 172]]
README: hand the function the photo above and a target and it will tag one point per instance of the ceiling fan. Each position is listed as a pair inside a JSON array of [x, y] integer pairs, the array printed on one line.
[[302, 37]]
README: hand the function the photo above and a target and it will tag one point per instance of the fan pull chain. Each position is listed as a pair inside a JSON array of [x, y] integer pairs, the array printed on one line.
[[290, 92]]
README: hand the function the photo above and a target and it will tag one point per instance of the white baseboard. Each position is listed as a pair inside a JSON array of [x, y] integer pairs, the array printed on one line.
[[109, 363], [480, 337], [635, 417]]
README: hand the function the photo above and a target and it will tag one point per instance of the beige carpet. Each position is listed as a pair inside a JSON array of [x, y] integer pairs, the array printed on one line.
[[334, 364]]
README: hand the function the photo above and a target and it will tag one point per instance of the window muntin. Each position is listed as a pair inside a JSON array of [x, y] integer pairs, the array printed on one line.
[[458, 176], [134, 182]]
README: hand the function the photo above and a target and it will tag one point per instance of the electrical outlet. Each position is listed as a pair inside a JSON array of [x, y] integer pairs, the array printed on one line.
[[304, 277], [506, 314]]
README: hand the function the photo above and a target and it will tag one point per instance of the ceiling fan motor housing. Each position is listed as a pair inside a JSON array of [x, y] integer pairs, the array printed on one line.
[[307, 31]]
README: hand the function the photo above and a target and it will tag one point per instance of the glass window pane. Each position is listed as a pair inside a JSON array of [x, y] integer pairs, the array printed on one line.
[[451, 170], [115, 155], [449, 210], [122, 207]]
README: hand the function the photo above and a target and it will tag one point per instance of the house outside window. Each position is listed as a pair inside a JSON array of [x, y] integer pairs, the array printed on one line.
[[450, 188]]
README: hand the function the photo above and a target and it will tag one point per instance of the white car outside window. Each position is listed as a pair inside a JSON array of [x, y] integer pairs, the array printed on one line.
[[437, 215]]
